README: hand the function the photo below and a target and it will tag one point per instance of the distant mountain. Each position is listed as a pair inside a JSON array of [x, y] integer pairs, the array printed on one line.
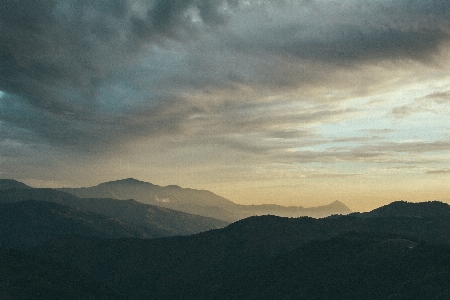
[[28, 277], [198, 202], [138, 190], [6, 184], [30, 223], [171, 268], [161, 221], [334, 208]]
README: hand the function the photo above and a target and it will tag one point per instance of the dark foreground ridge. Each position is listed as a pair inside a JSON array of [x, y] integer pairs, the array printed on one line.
[[29, 277], [159, 221], [273, 257], [354, 266], [30, 223]]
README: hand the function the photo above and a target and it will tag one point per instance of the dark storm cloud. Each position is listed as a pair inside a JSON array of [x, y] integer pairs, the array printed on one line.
[[49, 45], [21, 121], [61, 60], [56, 56], [361, 32], [168, 17], [353, 45]]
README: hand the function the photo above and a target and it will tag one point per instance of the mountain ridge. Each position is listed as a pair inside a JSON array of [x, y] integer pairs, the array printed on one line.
[[259, 257], [164, 220], [12, 184], [29, 223], [184, 266], [199, 202], [403, 208]]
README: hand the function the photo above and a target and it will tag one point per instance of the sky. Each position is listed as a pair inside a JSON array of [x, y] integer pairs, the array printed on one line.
[[285, 102]]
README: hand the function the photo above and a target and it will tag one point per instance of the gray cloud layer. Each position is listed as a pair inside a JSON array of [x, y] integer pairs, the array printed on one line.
[[88, 74]]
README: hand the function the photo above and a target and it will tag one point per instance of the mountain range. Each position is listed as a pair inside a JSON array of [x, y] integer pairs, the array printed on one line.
[[265, 256], [55, 245], [198, 202], [159, 220], [100, 217]]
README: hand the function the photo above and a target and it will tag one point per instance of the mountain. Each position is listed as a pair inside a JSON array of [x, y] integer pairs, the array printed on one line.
[[409, 209], [362, 266], [161, 221], [30, 223], [198, 202], [176, 267], [139, 190], [398, 251], [30, 277], [6, 184], [334, 208]]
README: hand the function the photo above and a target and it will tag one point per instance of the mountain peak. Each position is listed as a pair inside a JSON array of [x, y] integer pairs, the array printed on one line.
[[340, 205], [336, 202], [126, 181]]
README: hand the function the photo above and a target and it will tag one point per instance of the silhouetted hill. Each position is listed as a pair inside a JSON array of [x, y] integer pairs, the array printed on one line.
[[161, 221], [29, 277], [149, 193], [359, 266], [6, 184], [154, 269], [409, 209], [29, 223], [198, 202], [171, 221]]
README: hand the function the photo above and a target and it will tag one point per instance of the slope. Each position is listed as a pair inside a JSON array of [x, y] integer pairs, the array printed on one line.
[[155, 268], [161, 220], [30, 223], [363, 266], [409, 209], [29, 277], [6, 184]]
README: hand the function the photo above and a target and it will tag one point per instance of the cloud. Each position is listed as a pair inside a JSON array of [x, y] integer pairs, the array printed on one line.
[[407, 110], [57, 54], [444, 171], [256, 76], [410, 147], [353, 32], [436, 103], [439, 97], [404, 167]]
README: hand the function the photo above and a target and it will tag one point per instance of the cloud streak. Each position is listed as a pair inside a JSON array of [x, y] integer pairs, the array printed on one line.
[[436, 172]]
